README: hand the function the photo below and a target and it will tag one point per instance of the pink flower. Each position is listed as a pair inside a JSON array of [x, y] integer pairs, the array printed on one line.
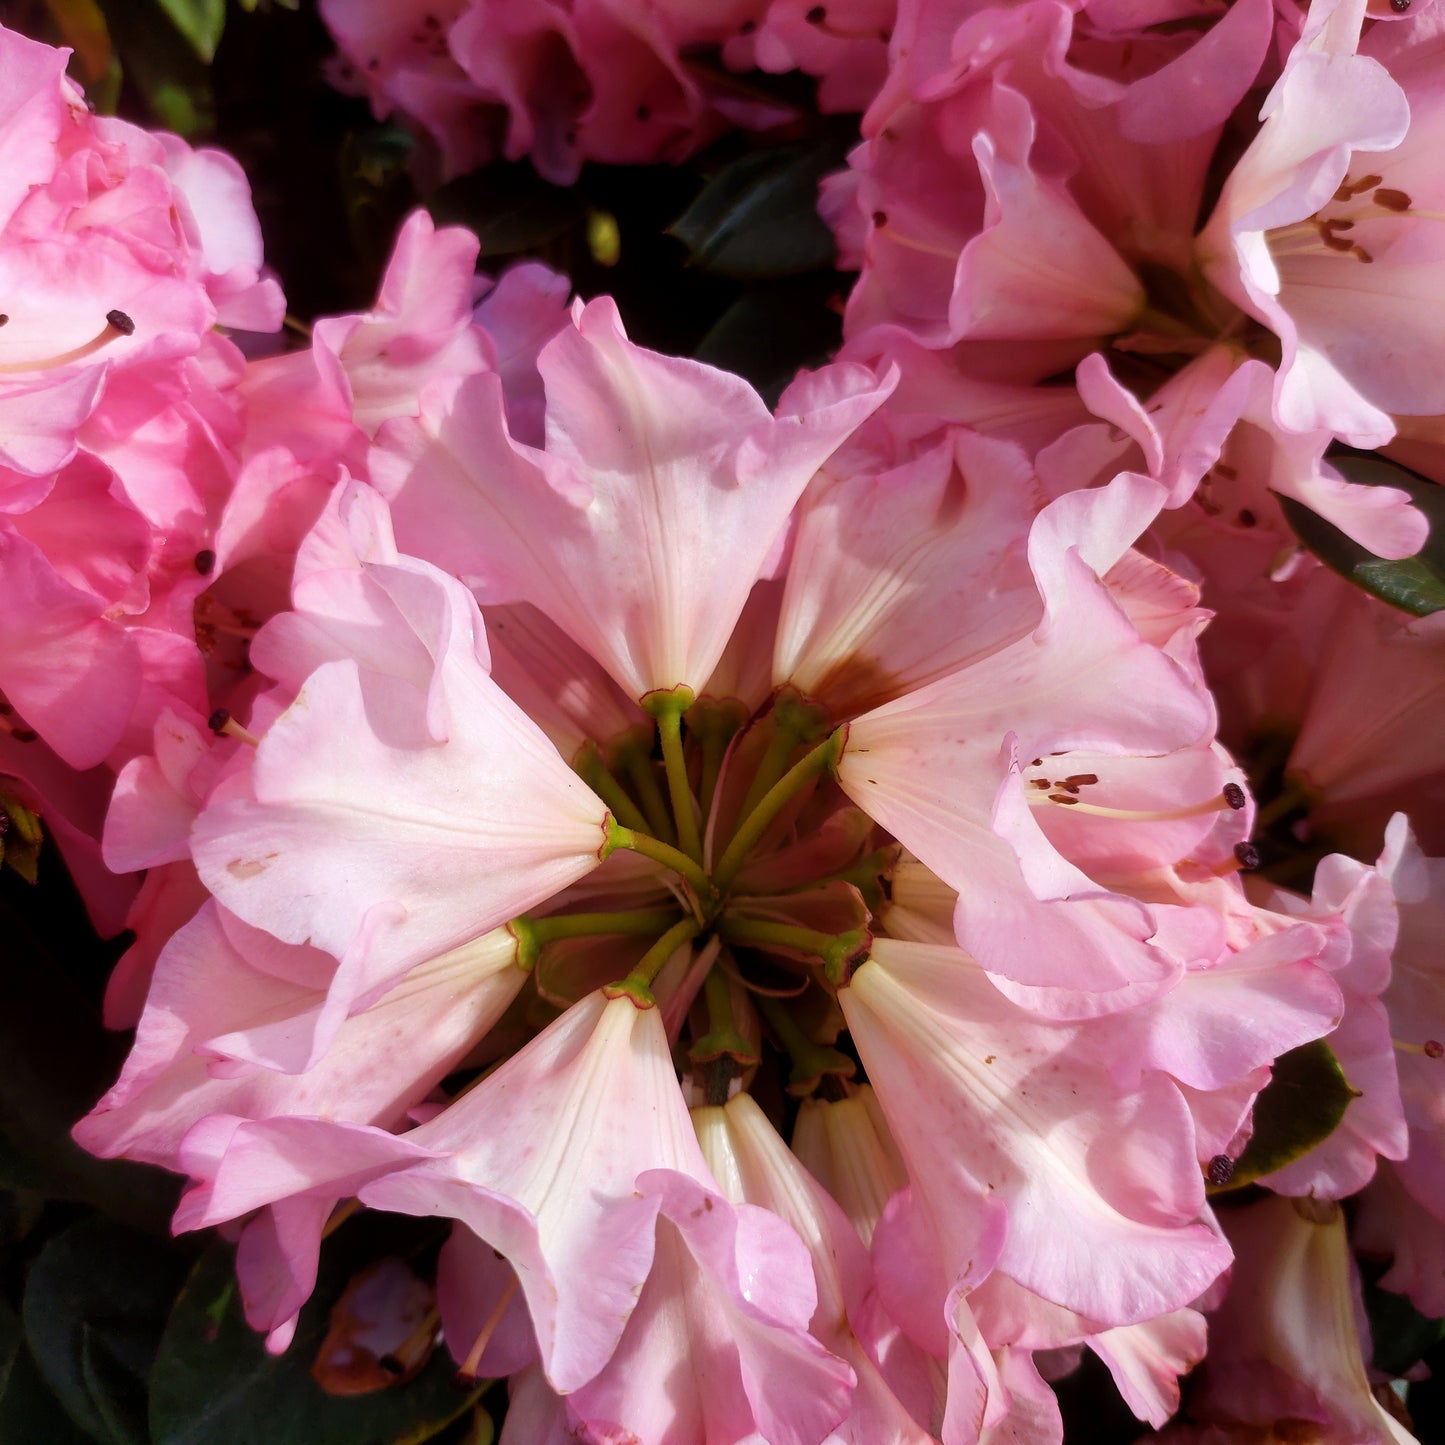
[[1317, 233], [1285, 1344]]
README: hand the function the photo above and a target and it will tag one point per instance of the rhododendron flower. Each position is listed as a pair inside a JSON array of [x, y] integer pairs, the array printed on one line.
[[665, 789]]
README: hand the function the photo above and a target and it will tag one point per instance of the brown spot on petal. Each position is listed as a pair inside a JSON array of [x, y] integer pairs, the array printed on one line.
[[244, 868]]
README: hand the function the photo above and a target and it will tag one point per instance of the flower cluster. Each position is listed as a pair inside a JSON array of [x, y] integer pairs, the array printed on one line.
[[775, 878]]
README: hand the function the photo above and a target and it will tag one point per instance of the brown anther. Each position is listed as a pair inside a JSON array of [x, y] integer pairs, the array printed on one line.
[[1360, 254], [1400, 6], [1330, 233], [1220, 1170], [121, 322], [205, 562], [1234, 796], [218, 720], [25, 735], [880, 219], [1080, 780], [1246, 855], [1391, 199], [3, 319], [1348, 190], [1042, 784], [1061, 798], [1434, 1049]]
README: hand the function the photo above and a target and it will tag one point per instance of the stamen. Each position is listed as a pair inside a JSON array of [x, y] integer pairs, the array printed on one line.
[[117, 323], [1391, 199], [223, 724], [1147, 815], [1246, 856], [1220, 1170], [1400, 6], [205, 562], [469, 1366], [1431, 1048]]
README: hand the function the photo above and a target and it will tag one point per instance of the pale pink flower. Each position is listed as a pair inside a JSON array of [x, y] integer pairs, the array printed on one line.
[[1285, 1344], [928, 1023], [690, 471], [1325, 230]]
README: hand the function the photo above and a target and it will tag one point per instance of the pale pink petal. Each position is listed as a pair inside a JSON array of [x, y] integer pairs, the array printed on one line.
[[478, 820], [1021, 1116]]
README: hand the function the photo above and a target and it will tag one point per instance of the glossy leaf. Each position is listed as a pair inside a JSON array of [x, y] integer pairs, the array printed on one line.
[[200, 21], [1300, 1107], [774, 329], [28, 1411], [57, 1061], [510, 209], [1399, 1332], [96, 1300], [213, 1380], [1414, 584], [758, 217]]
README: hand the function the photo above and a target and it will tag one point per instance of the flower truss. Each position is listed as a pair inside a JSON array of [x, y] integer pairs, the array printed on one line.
[[774, 879]]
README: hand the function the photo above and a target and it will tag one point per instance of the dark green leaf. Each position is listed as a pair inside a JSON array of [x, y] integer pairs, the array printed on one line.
[[96, 1301], [213, 1380], [1400, 1333], [1300, 1107], [758, 217], [164, 67], [376, 188], [772, 330], [511, 209], [58, 1061], [29, 1413], [200, 21], [1414, 584]]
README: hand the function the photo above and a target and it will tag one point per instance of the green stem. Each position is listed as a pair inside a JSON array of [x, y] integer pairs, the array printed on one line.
[[811, 1062], [638, 984], [660, 852], [533, 934], [823, 759], [668, 708], [714, 725], [771, 767], [588, 766], [649, 792], [836, 950]]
